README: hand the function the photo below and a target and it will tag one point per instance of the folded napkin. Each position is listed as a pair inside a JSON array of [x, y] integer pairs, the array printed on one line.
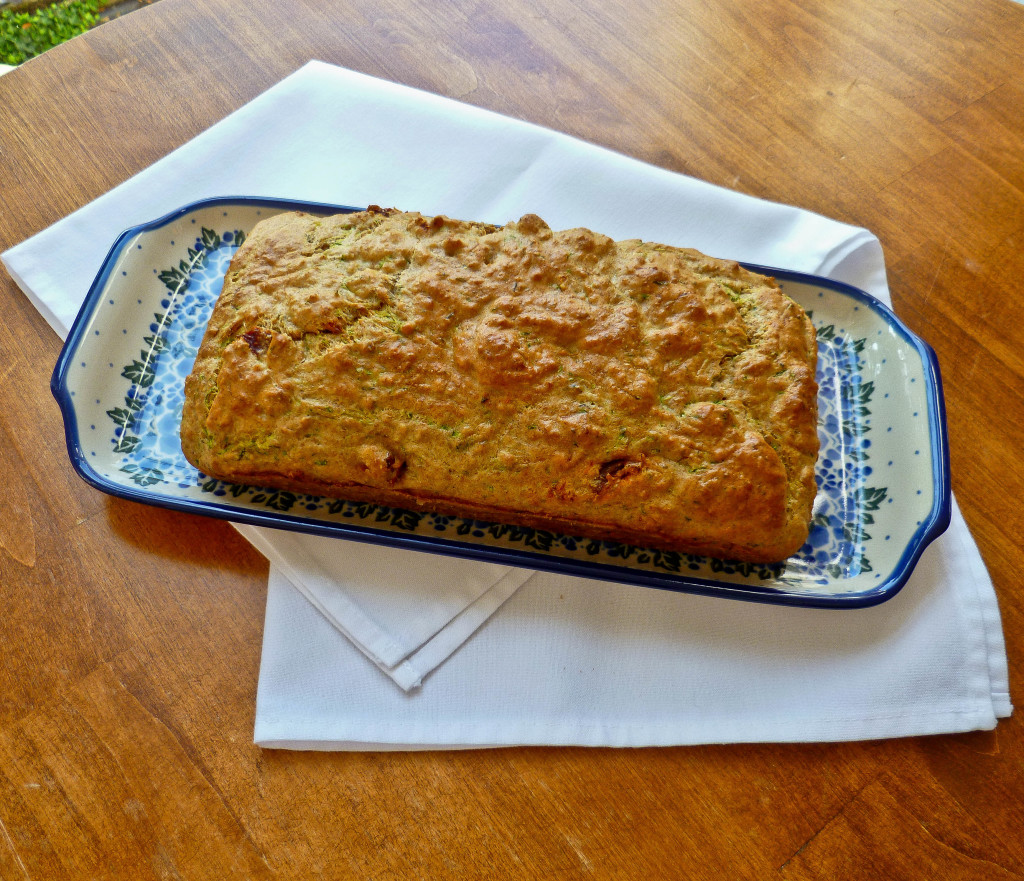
[[515, 657], [406, 612]]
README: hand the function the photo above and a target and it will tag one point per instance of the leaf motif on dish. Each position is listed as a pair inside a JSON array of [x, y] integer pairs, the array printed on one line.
[[168, 349]]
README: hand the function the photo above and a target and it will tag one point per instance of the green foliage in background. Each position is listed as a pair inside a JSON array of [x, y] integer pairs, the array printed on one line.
[[24, 35]]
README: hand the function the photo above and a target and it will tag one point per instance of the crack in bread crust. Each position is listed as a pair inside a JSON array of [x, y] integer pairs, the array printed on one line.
[[624, 390]]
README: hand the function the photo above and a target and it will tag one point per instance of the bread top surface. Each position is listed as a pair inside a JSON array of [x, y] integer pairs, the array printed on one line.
[[636, 389]]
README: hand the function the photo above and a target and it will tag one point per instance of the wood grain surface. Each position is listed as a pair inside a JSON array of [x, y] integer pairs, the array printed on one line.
[[130, 636]]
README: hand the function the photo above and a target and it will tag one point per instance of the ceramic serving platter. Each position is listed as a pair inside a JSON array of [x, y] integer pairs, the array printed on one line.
[[883, 474]]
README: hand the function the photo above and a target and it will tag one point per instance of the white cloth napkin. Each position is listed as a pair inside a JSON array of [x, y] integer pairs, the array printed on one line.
[[569, 661], [405, 611], [561, 660]]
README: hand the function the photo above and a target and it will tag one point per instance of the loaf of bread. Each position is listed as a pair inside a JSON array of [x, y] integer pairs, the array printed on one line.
[[620, 390]]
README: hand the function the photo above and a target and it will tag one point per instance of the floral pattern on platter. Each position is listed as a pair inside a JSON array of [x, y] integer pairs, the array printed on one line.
[[146, 438], [147, 423], [845, 503]]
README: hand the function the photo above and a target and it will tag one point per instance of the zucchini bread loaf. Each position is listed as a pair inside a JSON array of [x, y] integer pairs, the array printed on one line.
[[620, 390]]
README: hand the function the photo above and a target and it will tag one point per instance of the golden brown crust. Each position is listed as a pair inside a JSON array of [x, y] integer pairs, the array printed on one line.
[[624, 390]]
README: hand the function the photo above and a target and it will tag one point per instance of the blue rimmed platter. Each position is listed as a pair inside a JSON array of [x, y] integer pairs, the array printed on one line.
[[883, 472]]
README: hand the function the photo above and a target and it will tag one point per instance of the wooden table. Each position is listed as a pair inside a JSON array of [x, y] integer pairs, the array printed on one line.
[[130, 636]]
